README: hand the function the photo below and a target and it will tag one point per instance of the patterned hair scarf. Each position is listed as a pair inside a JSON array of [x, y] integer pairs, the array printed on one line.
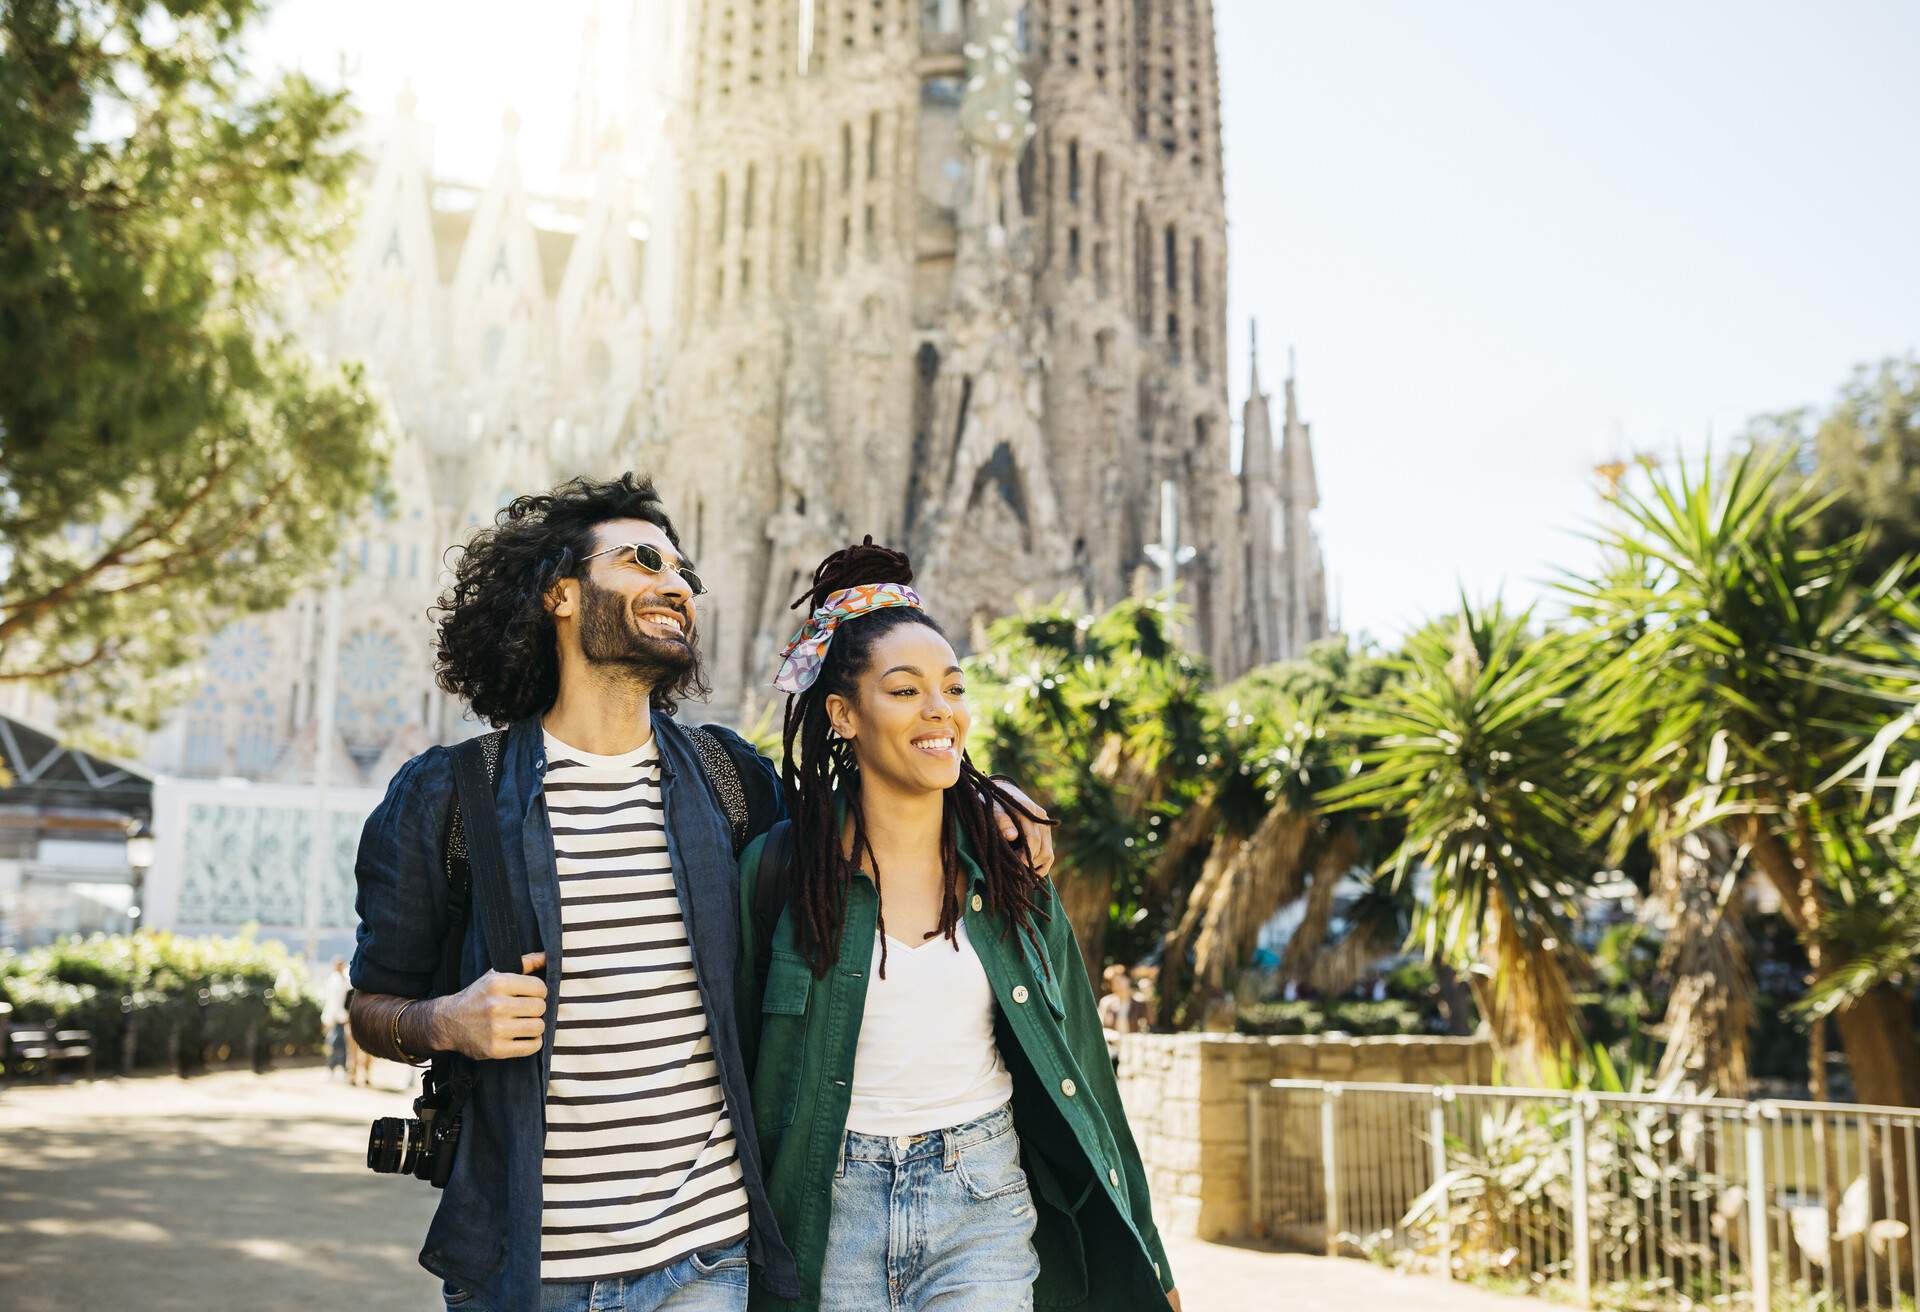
[[800, 662]]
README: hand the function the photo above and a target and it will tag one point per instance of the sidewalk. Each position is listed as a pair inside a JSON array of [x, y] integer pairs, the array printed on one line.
[[238, 1191]]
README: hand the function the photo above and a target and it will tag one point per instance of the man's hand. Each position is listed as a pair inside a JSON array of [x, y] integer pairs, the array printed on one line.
[[1173, 1299], [495, 1017], [1039, 836]]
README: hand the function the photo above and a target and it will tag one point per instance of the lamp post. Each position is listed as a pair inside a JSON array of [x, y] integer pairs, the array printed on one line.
[[139, 861]]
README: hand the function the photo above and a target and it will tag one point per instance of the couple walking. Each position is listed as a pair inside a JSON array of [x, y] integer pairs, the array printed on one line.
[[827, 1025]]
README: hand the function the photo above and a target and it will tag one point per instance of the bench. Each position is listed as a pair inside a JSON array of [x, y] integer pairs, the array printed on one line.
[[47, 1048]]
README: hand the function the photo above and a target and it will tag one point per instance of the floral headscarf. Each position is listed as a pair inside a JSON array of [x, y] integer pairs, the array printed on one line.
[[801, 660]]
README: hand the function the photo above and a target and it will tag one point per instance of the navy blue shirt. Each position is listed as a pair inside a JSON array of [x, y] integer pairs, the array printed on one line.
[[485, 1237]]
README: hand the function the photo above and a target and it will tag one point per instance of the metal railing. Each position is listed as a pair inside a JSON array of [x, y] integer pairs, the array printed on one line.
[[1615, 1200]]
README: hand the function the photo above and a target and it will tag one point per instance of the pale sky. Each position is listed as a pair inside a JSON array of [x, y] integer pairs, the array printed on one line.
[[1506, 239]]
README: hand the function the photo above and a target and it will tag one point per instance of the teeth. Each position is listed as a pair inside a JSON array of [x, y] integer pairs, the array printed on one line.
[[667, 621], [935, 744]]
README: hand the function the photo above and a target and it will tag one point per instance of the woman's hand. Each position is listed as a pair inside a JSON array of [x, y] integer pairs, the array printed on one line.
[[1039, 836]]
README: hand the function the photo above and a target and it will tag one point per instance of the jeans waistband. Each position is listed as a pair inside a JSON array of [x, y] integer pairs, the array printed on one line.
[[944, 1144]]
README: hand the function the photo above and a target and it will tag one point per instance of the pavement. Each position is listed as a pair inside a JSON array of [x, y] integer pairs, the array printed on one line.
[[237, 1191]]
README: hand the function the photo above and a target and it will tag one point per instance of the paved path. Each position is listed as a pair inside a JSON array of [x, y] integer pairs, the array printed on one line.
[[238, 1192]]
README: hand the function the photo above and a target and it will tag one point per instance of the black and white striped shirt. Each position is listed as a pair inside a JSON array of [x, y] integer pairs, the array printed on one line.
[[640, 1167]]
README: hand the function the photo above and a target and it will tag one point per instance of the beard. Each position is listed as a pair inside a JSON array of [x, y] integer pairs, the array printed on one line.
[[610, 635]]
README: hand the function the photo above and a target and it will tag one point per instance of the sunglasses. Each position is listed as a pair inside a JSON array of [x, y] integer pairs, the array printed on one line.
[[649, 559]]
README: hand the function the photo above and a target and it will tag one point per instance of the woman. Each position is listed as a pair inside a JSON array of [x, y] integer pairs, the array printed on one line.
[[937, 1118]]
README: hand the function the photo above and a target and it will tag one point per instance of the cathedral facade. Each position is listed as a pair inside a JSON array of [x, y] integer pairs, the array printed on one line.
[[953, 273], [949, 272]]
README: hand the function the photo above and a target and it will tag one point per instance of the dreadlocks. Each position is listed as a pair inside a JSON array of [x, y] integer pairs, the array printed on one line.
[[821, 768]]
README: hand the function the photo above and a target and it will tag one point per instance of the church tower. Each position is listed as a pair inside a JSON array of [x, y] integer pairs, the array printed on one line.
[[1286, 576], [953, 273]]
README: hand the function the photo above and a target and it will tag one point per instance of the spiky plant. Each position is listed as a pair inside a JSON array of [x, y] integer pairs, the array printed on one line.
[[1473, 751]]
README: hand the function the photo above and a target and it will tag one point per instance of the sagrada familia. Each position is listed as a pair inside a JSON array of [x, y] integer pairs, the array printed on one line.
[[949, 272]]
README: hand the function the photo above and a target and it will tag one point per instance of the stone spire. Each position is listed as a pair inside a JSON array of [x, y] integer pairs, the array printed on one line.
[[1256, 427], [1297, 481]]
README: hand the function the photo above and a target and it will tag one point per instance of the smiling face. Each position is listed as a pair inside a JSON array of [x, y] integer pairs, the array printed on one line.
[[907, 718], [624, 616]]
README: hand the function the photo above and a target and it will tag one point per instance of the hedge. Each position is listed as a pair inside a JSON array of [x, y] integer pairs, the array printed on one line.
[[1362, 1018], [184, 1001]]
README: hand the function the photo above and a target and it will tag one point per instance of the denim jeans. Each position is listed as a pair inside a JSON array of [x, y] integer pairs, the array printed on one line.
[[713, 1281], [939, 1222]]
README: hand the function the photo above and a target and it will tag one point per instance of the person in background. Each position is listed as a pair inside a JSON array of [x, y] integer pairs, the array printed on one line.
[[1146, 998], [334, 993], [1119, 1009]]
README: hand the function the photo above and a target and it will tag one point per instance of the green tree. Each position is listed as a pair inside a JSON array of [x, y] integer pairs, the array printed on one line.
[[1472, 750], [1102, 718], [1254, 839], [1714, 695], [168, 458], [1862, 455]]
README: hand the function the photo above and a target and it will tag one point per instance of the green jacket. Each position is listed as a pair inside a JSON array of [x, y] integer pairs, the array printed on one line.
[[1095, 1236]]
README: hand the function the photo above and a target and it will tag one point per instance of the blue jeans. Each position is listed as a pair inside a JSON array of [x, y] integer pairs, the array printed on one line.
[[939, 1222], [713, 1281]]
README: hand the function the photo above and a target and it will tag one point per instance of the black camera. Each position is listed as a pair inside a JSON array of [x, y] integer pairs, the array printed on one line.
[[421, 1145]]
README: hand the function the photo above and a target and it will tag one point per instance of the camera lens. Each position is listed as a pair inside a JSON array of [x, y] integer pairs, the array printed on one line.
[[394, 1144]]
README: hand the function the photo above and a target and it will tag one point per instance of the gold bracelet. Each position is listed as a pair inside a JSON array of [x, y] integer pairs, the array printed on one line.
[[393, 1034]]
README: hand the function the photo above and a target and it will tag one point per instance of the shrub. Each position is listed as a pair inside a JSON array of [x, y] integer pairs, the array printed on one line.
[[187, 1000], [1363, 1018]]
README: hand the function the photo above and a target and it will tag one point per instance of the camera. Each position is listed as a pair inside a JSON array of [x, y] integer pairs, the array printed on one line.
[[421, 1145]]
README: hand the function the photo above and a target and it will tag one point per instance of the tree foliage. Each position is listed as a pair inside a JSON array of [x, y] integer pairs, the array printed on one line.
[[1103, 718], [1472, 750], [168, 458], [1862, 456]]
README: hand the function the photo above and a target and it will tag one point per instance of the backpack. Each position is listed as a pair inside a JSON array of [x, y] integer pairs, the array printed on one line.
[[720, 770]]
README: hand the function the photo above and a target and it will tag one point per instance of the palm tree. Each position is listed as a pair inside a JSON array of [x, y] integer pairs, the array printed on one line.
[[1253, 840], [1471, 750], [1704, 959], [1105, 715], [1267, 840], [1725, 602]]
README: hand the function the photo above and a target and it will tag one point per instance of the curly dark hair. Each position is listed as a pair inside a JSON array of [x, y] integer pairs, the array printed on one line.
[[496, 646], [821, 767]]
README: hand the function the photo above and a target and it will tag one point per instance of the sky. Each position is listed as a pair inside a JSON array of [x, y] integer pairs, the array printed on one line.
[[1510, 240], [1507, 241]]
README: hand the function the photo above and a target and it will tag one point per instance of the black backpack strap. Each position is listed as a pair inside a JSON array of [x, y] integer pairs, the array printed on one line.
[[772, 883], [491, 897], [724, 775], [459, 871]]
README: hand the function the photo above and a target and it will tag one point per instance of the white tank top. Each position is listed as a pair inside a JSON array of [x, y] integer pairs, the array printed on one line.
[[927, 1059]]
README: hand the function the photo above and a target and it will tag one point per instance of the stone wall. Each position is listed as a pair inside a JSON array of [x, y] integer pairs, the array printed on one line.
[[1186, 1098]]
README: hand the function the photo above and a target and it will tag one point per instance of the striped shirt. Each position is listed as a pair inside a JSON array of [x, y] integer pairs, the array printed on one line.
[[640, 1166]]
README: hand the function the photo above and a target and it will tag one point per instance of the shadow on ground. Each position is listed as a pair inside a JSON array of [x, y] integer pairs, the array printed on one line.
[[205, 1211]]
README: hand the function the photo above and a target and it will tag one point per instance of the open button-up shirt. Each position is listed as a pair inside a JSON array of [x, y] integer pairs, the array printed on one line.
[[799, 1034]]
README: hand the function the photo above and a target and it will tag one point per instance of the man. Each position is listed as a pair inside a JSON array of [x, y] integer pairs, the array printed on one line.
[[333, 1018], [607, 1156]]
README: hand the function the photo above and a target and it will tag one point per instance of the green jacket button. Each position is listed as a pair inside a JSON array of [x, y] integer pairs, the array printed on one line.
[[1020, 993], [977, 902], [1069, 1088], [1113, 1178]]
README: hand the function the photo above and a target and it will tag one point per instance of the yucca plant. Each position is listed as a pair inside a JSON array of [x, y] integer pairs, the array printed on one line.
[[1473, 750], [1102, 718], [1710, 699]]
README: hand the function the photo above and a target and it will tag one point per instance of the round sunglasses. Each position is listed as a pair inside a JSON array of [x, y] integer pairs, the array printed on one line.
[[649, 559]]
